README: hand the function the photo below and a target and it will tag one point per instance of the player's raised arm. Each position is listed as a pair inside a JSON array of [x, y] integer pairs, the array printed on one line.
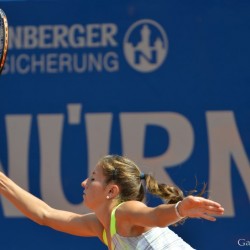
[[41, 213]]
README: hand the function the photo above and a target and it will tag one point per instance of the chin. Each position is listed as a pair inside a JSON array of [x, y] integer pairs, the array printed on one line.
[[85, 204]]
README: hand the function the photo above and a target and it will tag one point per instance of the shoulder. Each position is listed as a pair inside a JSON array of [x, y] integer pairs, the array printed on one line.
[[131, 205], [130, 209], [130, 217]]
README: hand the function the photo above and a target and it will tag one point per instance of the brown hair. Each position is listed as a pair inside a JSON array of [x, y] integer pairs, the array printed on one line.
[[127, 175]]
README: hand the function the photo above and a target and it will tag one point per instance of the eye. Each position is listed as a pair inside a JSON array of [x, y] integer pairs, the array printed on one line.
[[92, 179]]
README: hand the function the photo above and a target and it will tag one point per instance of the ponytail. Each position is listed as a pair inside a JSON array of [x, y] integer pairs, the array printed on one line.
[[170, 194]]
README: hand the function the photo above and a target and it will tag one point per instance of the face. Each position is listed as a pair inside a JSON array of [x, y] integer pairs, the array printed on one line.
[[95, 192]]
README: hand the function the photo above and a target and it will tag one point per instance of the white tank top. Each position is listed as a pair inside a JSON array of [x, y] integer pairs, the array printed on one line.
[[155, 239]]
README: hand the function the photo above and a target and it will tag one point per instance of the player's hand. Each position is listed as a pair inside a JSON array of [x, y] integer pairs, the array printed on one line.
[[198, 207]]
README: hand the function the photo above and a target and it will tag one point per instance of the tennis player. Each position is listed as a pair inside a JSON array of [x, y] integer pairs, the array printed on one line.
[[115, 192]]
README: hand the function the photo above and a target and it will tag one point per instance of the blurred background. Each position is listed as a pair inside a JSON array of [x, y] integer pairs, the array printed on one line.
[[166, 83]]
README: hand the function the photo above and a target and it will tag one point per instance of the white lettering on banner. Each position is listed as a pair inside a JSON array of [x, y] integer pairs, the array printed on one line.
[[52, 63], [225, 144], [145, 47], [181, 140], [62, 36], [50, 134], [98, 128], [18, 134], [60, 48]]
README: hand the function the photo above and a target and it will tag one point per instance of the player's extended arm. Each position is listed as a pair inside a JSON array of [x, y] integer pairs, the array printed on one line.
[[41, 213], [163, 215]]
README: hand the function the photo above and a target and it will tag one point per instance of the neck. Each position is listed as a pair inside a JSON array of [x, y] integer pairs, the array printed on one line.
[[104, 211]]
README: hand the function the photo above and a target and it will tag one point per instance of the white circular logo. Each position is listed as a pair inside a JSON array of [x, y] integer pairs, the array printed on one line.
[[145, 45]]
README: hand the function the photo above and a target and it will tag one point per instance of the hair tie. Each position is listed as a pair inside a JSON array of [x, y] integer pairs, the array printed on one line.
[[142, 176]]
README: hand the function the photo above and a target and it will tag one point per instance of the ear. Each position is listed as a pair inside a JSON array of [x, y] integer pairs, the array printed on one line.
[[112, 191]]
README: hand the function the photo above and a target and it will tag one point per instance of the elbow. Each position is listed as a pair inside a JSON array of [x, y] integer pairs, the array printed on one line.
[[43, 218], [40, 220]]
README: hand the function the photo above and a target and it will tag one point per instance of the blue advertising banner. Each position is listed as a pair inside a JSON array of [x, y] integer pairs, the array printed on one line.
[[165, 83]]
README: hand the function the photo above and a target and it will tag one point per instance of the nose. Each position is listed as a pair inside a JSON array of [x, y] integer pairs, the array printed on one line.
[[84, 183]]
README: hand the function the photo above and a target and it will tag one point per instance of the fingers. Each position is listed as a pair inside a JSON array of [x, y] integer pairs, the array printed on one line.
[[214, 212], [207, 217], [211, 203], [199, 207], [206, 214], [211, 208], [210, 214], [208, 204]]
